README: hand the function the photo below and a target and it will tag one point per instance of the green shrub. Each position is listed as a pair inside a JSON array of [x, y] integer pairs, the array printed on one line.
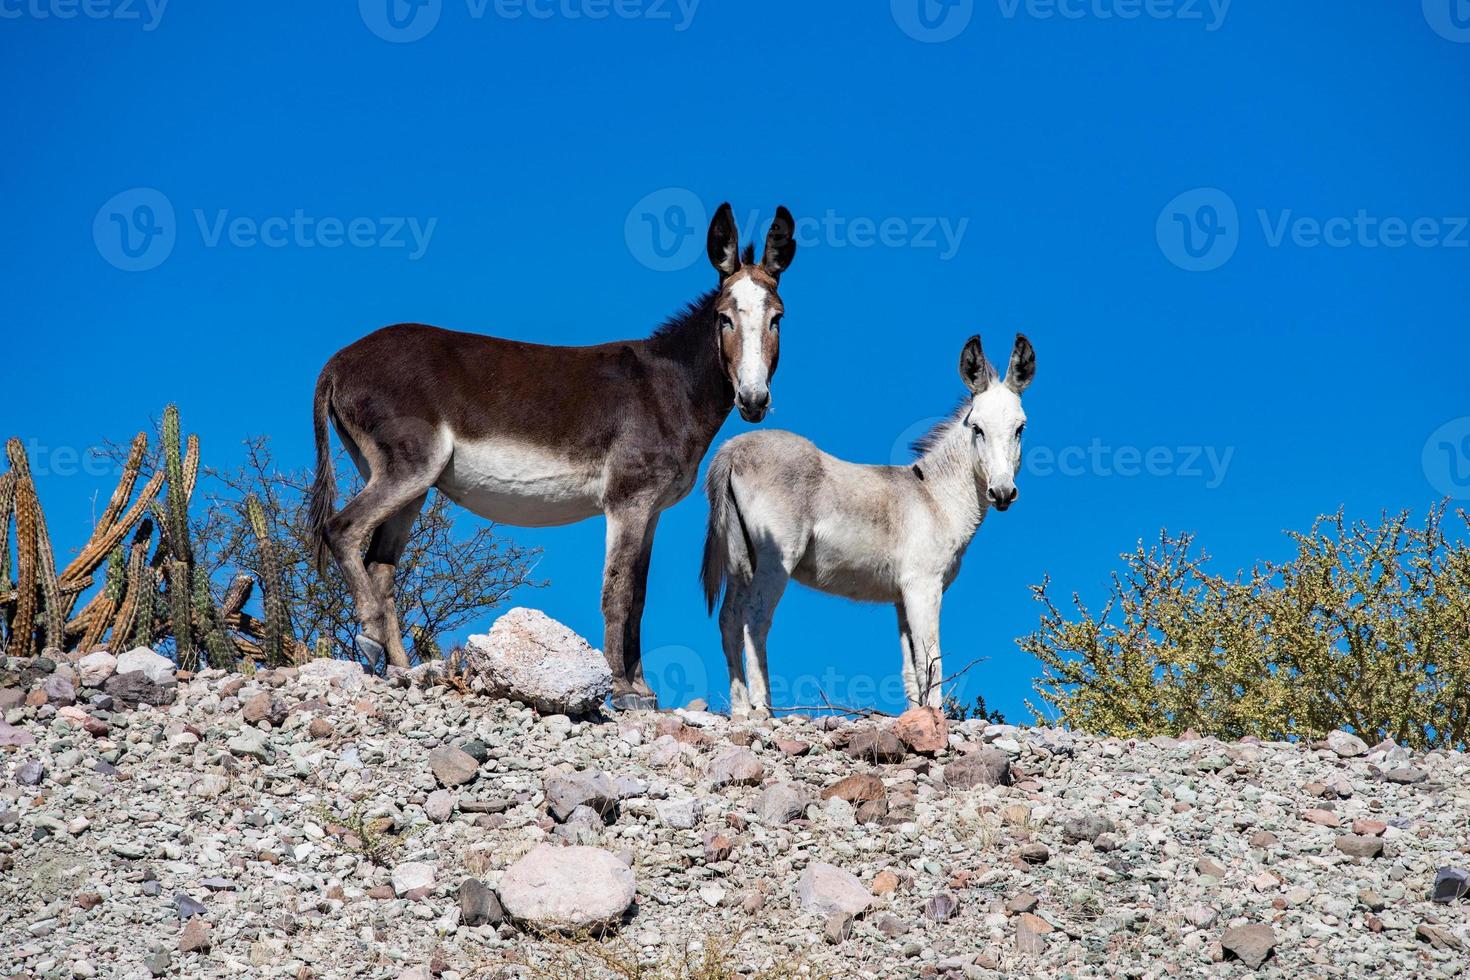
[[1366, 628]]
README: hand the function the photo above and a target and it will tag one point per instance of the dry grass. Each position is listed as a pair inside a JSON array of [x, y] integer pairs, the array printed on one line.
[[585, 957]]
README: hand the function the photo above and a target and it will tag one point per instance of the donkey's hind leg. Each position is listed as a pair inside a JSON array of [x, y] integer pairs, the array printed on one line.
[[732, 630], [393, 485], [384, 551]]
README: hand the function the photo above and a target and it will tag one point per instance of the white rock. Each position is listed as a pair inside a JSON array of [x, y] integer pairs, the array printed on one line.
[[825, 888], [158, 669], [324, 671], [94, 669], [567, 888], [411, 875], [528, 656]]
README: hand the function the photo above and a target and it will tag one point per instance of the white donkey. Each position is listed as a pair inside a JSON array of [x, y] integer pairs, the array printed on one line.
[[780, 508]]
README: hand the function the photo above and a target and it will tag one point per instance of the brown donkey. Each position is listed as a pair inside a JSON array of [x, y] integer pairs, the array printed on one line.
[[536, 436]]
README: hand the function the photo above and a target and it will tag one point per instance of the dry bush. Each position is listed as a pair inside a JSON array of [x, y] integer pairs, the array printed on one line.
[[1366, 628]]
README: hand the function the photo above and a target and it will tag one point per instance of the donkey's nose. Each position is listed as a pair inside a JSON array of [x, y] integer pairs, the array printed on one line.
[[1003, 497], [753, 405]]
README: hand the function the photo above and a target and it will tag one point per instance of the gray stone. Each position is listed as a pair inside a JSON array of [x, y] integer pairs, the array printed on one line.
[[187, 907], [530, 657], [1346, 744], [478, 905], [1086, 827], [59, 691], [984, 767], [590, 788], [1251, 944], [1360, 846], [780, 803], [134, 688], [439, 807], [453, 767], [680, 813], [250, 742], [30, 773], [824, 888], [735, 767]]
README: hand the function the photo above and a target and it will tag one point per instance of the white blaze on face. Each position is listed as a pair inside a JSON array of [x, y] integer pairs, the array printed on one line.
[[751, 302], [997, 411]]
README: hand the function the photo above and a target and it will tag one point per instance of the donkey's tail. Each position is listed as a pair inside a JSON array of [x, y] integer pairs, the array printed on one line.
[[324, 487], [727, 553]]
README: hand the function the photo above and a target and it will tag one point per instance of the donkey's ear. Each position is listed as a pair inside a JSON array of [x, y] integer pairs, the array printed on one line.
[[724, 242], [780, 244], [1023, 365], [973, 369]]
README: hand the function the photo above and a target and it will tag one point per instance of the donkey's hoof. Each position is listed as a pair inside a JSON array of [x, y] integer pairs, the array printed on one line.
[[634, 702], [370, 650]]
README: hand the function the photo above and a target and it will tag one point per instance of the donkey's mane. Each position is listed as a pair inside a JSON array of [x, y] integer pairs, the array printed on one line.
[[940, 429], [684, 331]]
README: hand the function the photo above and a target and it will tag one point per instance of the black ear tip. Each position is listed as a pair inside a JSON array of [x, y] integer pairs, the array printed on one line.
[[783, 215]]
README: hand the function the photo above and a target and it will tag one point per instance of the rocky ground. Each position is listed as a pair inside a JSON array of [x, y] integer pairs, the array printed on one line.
[[316, 822]]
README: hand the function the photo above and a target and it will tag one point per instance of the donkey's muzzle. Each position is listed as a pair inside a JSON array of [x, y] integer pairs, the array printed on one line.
[[753, 405], [1002, 498]]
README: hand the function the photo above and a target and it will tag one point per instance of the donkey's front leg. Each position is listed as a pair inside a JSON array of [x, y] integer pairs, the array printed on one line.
[[627, 531], [921, 606], [906, 648]]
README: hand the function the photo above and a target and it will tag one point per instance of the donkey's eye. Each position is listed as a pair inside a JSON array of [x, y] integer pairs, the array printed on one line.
[[726, 323], [1020, 429], [978, 431], [776, 321]]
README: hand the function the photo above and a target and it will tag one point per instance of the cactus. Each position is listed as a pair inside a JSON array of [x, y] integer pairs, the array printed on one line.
[[425, 646], [98, 615], [27, 517], [217, 642], [52, 614], [7, 504], [323, 648], [179, 587], [114, 524], [175, 513], [277, 626]]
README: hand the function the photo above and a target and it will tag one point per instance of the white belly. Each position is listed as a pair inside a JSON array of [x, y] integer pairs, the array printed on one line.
[[520, 484]]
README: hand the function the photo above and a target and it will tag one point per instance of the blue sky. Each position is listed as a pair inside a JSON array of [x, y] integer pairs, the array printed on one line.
[[1236, 235]]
